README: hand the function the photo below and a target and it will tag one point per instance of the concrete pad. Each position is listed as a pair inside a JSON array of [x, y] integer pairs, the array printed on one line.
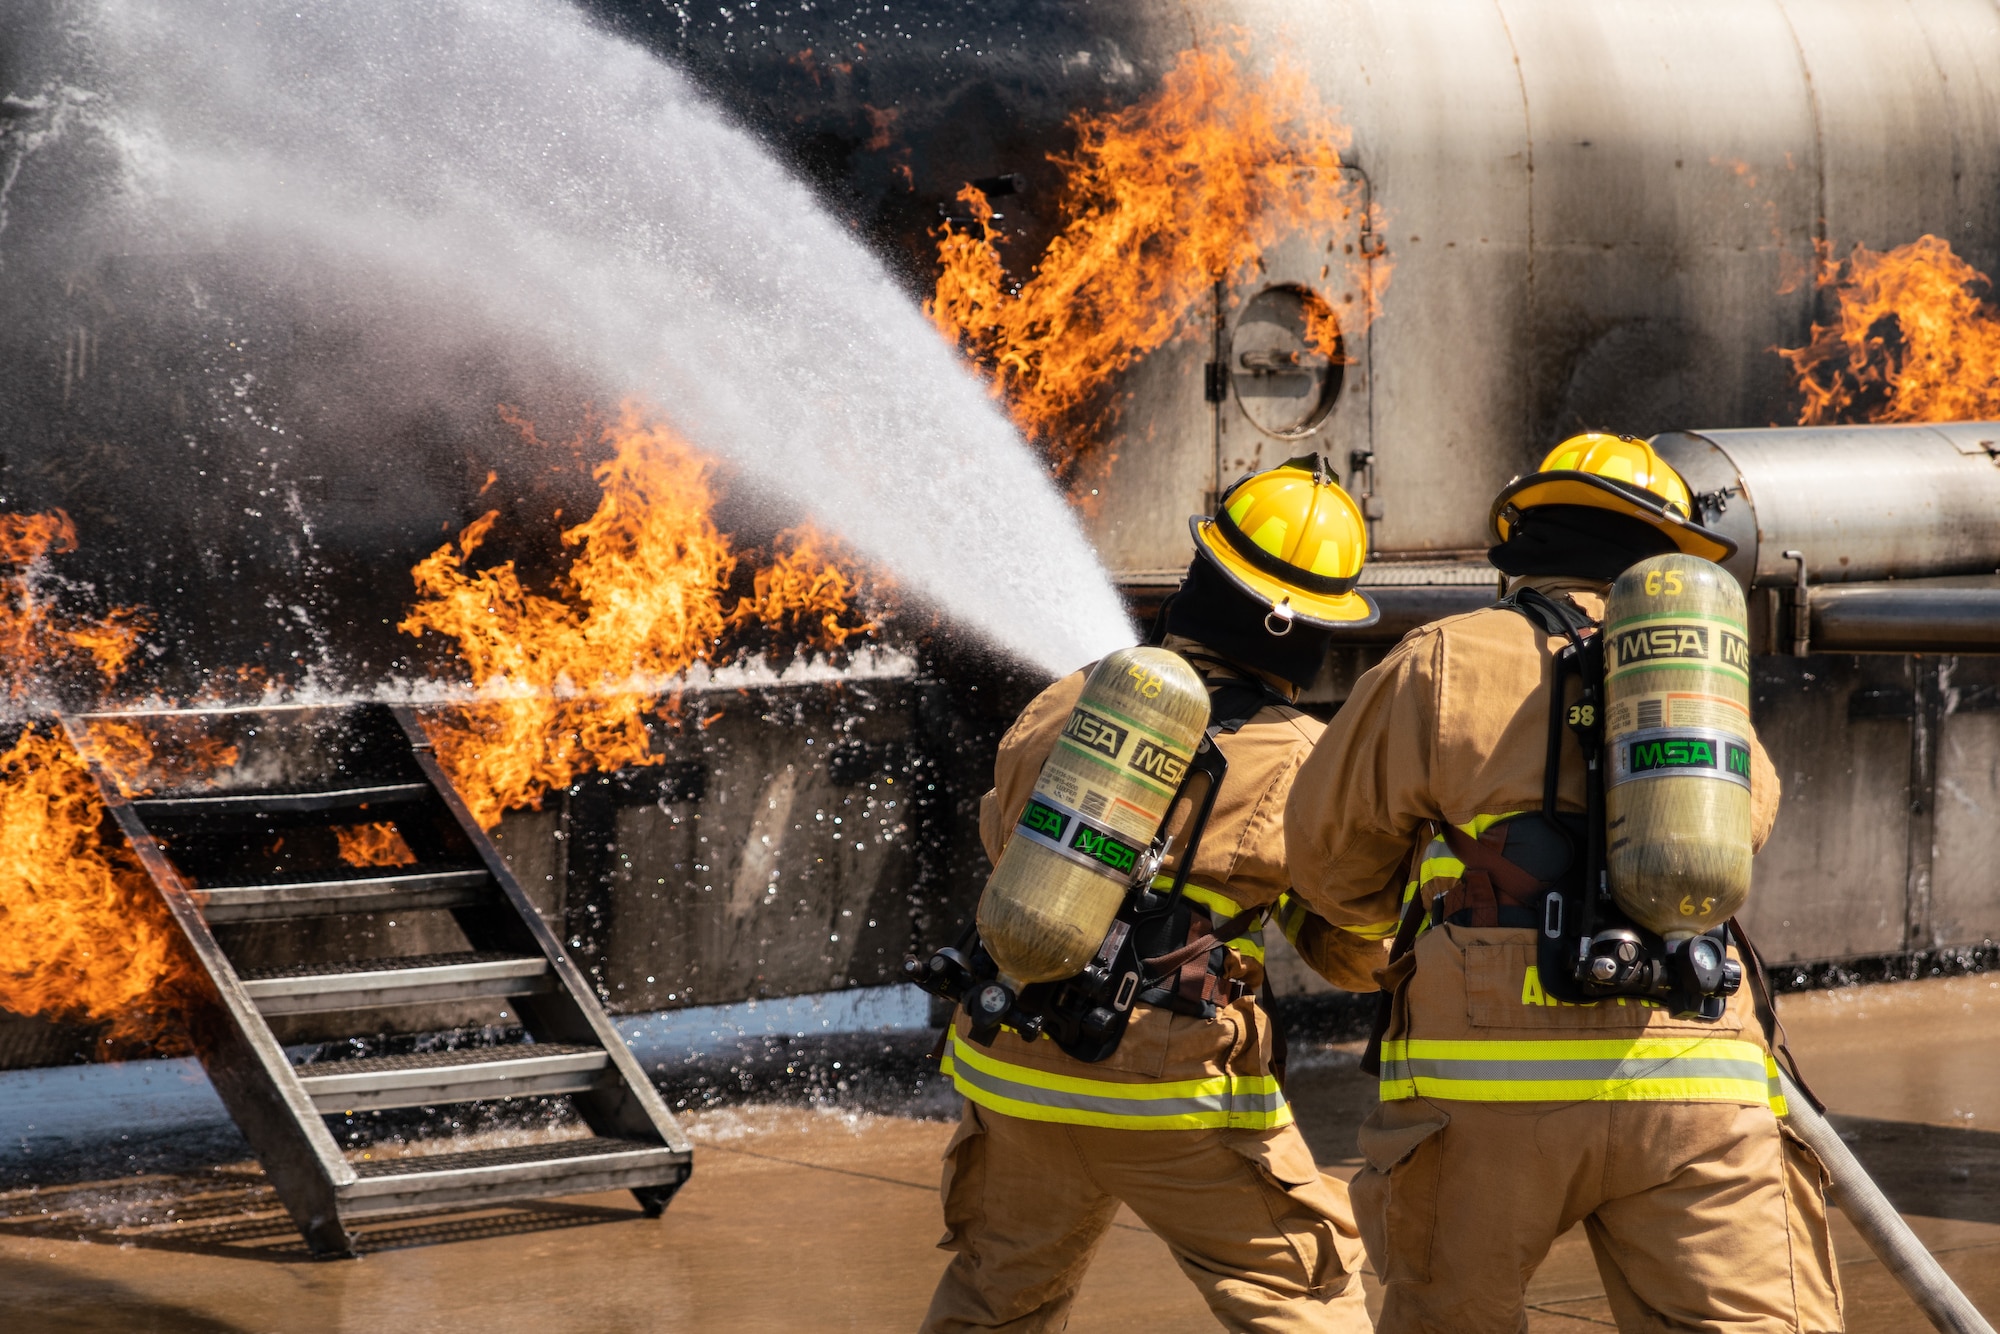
[[827, 1219]]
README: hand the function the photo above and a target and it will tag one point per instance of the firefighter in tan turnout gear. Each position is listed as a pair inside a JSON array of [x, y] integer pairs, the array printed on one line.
[[1183, 1120], [1509, 1112]]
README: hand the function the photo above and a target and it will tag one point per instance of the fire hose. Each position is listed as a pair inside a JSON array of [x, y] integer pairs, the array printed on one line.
[[1880, 1225]]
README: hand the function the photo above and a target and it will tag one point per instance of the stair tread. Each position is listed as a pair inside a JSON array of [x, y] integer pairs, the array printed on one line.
[[439, 1060], [281, 799], [562, 1150], [362, 876], [404, 963]]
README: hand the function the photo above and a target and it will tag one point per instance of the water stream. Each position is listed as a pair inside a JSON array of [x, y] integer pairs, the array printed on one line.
[[499, 182]]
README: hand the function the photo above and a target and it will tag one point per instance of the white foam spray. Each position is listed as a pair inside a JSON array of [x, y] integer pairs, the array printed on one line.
[[502, 174]]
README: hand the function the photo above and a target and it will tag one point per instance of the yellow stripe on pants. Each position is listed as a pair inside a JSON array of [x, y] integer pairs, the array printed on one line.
[[1215, 1102], [1646, 1069]]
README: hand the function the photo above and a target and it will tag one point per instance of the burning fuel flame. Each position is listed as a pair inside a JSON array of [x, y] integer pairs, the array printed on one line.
[[1164, 199], [1913, 339], [804, 593], [83, 935], [377, 844], [36, 640], [565, 682]]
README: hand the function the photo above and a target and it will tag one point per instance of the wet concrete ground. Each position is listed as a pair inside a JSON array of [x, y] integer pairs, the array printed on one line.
[[825, 1218]]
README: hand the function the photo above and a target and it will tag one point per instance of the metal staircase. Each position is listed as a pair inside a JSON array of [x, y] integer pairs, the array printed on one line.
[[254, 841]]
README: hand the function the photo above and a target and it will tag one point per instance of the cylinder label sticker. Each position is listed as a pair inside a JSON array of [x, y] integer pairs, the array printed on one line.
[[1677, 708], [1068, 834], [1676, 640], [1699, 752]]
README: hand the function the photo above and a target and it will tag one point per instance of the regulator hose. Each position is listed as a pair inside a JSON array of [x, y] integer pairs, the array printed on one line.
[[1880, 1225]]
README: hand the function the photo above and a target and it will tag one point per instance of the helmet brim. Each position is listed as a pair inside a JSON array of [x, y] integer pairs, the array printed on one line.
[[1344, 611], [1604, 493]]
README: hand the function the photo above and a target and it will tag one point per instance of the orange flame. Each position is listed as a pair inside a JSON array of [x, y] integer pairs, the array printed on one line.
[[804, 593], [35, 640], [378, 844], [1913, 341], [565, 682], [1163, 199], [83, 935]]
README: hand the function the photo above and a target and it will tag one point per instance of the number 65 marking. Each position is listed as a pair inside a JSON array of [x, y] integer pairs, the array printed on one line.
[[1656, 578]]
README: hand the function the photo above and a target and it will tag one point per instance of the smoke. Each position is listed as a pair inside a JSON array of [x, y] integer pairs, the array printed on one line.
[[409, 202]]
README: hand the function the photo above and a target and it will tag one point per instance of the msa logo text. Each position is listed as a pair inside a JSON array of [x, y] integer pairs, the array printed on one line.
[[1735, 651], [1688, 642], [1673, 753], [1102, 847], [1692, 752], [1149, 759], [1095, 733], [1043, 820]]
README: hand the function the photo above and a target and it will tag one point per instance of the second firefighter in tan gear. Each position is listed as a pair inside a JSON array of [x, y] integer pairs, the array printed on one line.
[[1506, 1116], [1184, 1122]]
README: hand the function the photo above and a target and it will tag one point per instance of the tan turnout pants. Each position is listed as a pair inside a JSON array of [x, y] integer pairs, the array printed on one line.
[[1702, 1216], [1270, 1243]]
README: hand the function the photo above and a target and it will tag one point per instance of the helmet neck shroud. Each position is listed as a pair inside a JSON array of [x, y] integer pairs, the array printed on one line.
[[1209, 607], [1577, 540]]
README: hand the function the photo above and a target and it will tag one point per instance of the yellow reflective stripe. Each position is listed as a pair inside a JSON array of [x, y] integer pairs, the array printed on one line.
[[1440, 868], [1778, 1102], [1216, 1102], [1646, 1069], [1291, 916], [1250, 944], [1479, 824], [1207, 898]]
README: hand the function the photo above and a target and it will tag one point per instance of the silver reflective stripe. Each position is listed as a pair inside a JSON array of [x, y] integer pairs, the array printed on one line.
[[1073, 820], [1619, 1071]]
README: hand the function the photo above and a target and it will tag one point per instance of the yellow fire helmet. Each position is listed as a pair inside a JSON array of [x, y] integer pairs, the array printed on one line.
[[1293, 539], [1618, 473]]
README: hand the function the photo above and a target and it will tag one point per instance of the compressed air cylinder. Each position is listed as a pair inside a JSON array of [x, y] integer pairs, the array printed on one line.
[[1096, 806], [1677, 731]]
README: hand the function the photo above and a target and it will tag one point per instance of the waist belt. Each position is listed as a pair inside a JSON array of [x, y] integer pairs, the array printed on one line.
[[1496, 890], [1191, 970]]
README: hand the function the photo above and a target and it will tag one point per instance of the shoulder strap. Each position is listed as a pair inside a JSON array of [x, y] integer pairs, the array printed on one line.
[[1555, 618], [1235, 701], [1583, 654], [1568, 620]]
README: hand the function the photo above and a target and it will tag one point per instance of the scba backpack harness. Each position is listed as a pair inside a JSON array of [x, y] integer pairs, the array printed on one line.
[[1546, 869], [1163, 948]]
